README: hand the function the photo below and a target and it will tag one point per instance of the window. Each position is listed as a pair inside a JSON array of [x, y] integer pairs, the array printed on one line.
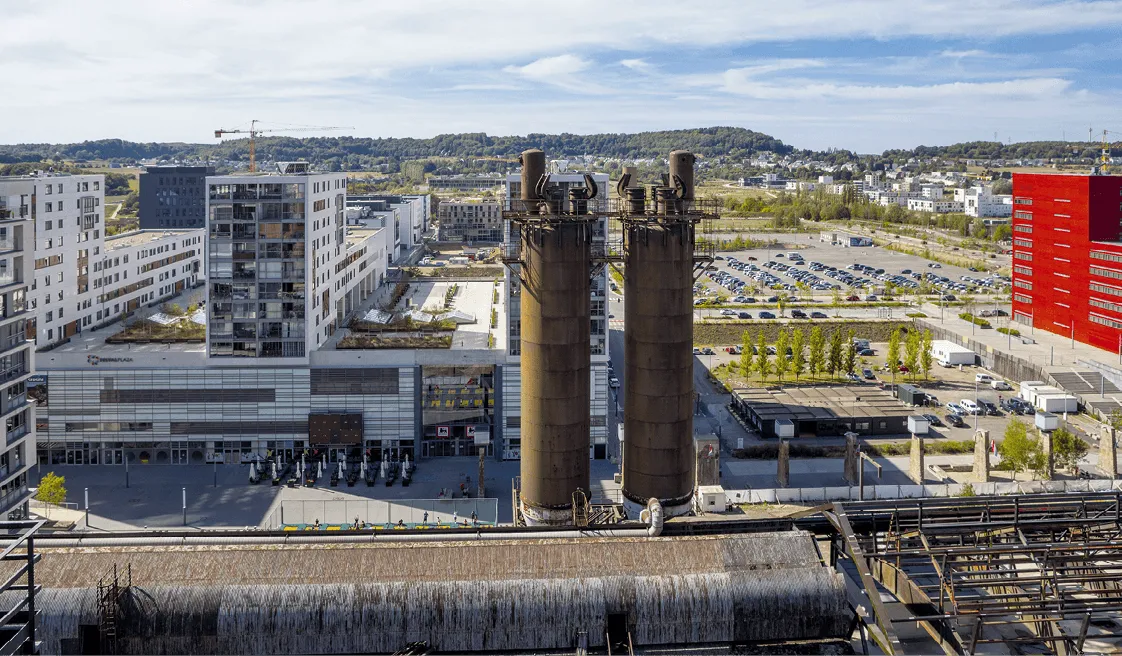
[[49, 189], [1024, 284], [48, 207], [1020, 227], [1021, 255], [1023, 242], [1020, 298], [1022, 201], [1025, 270], [1022, 215]]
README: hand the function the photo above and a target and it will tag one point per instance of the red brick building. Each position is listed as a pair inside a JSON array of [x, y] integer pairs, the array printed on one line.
[[1067, 256]]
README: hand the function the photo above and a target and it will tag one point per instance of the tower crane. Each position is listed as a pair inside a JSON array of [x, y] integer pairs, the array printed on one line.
[[1104, 158], [253, 131]]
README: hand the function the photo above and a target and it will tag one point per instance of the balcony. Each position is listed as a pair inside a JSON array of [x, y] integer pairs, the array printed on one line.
[[13, 373], [17, 433]]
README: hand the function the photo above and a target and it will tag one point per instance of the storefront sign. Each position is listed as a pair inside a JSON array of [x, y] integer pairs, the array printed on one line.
[[443, 431], [95, 360]]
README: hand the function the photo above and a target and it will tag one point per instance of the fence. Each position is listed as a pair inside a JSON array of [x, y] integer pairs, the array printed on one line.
[[853, 493], [1001, 363], [380, 511]]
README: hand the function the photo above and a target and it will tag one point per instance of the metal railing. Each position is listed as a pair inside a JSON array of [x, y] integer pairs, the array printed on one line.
[[18, 622]]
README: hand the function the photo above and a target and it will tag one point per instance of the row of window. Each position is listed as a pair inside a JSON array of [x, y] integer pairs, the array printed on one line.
[[1106, 305], [1022, 215], [1023, 284], [1021, 298], [1024, 270], [1109, 257], [1106, 273], [1022, 201], [1021, 227], [79, 186], [1106, 321], [1023, 242], [1105, 289], [1021, 255]]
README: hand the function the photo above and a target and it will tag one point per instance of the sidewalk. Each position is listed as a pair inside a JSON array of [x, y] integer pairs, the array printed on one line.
[[1050, 350]]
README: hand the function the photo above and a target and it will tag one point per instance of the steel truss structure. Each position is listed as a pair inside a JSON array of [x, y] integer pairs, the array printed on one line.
[[1038, 572]]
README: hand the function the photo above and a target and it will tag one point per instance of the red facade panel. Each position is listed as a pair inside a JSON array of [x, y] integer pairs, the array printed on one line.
[[1067, 256]]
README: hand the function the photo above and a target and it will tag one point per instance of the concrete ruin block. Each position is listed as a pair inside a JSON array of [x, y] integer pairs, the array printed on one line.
[[783, 464], [850, 471], [981, 472], [915, 471], [1108, 452], [1046, 446]]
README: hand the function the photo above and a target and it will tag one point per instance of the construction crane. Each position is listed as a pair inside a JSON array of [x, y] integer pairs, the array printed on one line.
[[253, 132], [1104, 158]]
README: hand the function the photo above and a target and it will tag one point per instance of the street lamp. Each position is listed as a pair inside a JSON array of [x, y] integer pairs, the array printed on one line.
[[976, 406]]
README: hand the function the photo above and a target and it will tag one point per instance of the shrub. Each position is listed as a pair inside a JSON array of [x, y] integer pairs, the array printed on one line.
[[1009, 331], [977, 321]]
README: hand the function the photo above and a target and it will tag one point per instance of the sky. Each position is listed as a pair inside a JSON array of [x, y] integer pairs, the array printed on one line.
[[865, 75]]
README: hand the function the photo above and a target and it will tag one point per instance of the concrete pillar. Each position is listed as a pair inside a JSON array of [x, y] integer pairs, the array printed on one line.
[[982, 456], [1046, 446], [851, 459], [915, 472], [1108, 452], [783, 469]]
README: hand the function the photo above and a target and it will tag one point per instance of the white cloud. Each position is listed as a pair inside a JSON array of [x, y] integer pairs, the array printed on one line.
[[638, 65], [175, 71]]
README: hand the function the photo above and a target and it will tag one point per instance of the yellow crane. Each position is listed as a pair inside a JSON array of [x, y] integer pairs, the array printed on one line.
[[1104, 158], [253, 131]]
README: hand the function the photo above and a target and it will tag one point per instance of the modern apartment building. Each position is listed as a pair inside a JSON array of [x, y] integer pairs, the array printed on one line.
[[17, 450], [466, 182], [411, 217], [981, 202], [470, 221], [273, 244], [1067, 256], [83, 279], [512, 379], [173, 197]]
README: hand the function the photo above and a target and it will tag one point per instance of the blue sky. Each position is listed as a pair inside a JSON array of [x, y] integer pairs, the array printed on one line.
[[864, 74]]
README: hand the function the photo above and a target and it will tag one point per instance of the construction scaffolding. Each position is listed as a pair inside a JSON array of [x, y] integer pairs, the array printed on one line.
[[1042, 572]]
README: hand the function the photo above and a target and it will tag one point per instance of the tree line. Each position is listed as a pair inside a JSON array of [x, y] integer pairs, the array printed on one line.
[[796, 353]]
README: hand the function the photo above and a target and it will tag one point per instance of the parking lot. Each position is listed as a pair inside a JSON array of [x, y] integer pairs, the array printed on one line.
[[759, 277], [947, 385]]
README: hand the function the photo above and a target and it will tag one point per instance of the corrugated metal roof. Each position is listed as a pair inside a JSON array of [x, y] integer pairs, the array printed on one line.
[[427, 561]]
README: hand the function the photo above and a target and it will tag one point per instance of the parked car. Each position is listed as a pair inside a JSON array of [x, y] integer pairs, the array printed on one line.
[[868, 374], [744, 315], [696, 351], [817, 315], [955, 408], [969, 406], [798, 314], [903, 369], [751, 259], [853, 377], [1001, 385], [613, 382], [983, 379], [866, 352], [933, 420], [728, 313], [750, 299], [988, 408], [767, 315], [871, 297], [851, 297], [954, 420], [708, 351]]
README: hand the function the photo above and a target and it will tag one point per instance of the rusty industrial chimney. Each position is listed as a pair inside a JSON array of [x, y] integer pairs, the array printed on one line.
[[556, 349], [658, 346]]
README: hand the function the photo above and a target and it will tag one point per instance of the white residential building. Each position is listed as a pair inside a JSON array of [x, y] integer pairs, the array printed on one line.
[[934, 206], [18, 209], [979, 201], [82, 278]]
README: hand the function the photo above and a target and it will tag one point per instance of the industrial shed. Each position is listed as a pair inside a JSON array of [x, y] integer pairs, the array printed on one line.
[[822, 411], [527, 594]]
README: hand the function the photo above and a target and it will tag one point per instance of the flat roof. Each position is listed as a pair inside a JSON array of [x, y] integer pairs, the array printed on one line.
[[141, 237], [821, 403], [356, 236]]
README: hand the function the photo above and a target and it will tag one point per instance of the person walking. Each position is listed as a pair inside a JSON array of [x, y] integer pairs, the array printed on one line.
[[455, 518], [474, 519], [426, 519]]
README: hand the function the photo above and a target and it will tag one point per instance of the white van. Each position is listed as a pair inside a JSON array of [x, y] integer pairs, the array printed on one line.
[[983, 379], [969, 406], [1001, 385]]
